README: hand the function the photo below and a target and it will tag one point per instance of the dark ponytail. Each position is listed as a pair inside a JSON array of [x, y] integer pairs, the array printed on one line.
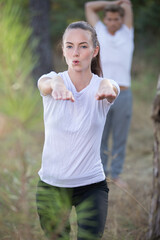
[[95, 64]]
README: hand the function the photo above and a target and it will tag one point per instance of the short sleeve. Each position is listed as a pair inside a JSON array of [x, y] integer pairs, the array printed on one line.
[[48, 75], [130, 31], [99, 26]]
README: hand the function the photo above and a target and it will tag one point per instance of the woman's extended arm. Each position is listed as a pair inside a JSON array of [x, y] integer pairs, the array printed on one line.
[[55, 87], [107, 90]]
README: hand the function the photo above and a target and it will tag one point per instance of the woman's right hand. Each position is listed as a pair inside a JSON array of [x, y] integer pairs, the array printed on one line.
[[59, 90]]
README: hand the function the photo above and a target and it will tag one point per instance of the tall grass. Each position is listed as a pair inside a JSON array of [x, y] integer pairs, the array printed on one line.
[[19, 115]]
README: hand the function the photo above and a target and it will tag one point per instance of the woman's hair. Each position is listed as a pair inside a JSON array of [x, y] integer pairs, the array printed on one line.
[[95, 64]]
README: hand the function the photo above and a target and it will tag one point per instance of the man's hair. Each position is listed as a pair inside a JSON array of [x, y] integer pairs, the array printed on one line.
[[114, 9]]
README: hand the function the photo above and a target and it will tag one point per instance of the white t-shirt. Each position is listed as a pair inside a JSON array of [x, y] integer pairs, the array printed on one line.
[[116, 53], [73, 130]]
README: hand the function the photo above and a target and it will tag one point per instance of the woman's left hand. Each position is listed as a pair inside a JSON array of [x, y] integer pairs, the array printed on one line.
[[106, 90]]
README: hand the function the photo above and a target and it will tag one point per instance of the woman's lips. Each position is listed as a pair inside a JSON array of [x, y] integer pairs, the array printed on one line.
[[75, 62]]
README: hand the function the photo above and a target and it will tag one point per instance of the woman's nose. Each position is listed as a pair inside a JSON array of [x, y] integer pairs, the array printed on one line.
[[76, 52]]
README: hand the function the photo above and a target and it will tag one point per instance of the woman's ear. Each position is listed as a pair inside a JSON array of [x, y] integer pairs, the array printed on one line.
[[96, 50]]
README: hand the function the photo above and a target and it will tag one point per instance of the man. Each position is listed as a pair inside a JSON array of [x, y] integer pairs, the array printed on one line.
[[115, 35]]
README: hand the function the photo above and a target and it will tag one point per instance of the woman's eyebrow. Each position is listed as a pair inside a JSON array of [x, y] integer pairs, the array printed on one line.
[[68, 43], [79, 43], [84, 43]]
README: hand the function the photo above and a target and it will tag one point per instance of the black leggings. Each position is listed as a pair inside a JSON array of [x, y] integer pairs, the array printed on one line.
[[54, 206]]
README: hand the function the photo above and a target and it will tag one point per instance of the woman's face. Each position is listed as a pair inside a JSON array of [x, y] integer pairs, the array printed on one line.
[[78, 49]]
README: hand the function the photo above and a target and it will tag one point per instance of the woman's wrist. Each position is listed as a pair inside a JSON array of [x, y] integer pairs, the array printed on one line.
[[57, 81]]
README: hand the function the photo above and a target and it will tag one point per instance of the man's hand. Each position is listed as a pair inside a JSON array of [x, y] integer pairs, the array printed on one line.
[[124, 1], [106, 90]]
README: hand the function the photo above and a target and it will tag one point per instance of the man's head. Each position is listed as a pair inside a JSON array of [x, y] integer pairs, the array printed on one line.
[[113, 18]]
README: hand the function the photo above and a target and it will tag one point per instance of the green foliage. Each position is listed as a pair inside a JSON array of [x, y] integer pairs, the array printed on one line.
[[147, 18], [63, 13], [19, 98], [19, 107], [148, 82]]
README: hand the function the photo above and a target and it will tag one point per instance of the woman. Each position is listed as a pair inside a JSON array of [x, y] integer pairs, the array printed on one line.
[[75, 103]]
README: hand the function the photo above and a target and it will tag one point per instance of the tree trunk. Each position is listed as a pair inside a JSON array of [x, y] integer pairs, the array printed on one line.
[[154, 217], [41, 33]]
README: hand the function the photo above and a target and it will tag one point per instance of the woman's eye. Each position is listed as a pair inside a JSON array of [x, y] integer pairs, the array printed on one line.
[[69, 46], [84, 46]]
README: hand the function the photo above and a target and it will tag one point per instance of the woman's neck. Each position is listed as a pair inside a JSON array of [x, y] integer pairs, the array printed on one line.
[[80, 79]]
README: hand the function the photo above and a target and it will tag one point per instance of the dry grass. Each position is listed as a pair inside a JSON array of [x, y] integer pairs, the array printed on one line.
[[128, 211]]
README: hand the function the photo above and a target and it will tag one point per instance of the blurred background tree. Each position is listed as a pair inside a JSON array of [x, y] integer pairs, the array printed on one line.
[[40, 23]]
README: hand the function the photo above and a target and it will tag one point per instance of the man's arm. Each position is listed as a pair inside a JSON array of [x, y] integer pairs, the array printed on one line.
[[92, 9], [128, 17]]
